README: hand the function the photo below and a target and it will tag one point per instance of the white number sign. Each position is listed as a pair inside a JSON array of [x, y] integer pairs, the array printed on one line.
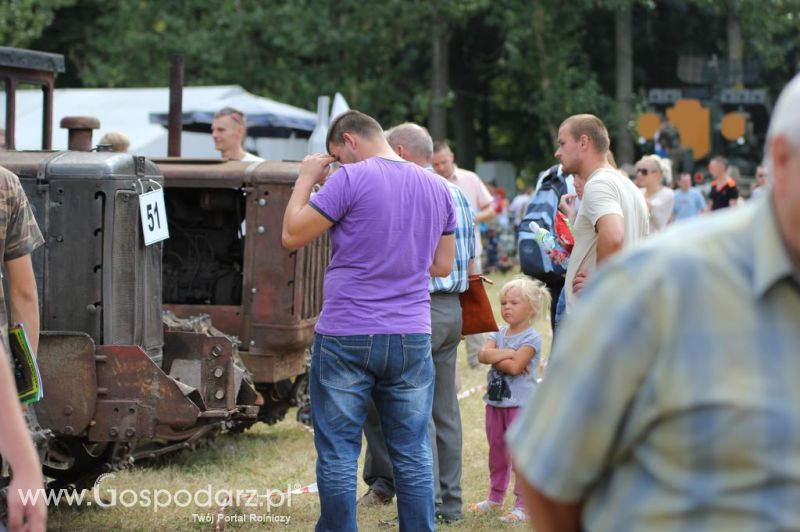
[[154, 216]]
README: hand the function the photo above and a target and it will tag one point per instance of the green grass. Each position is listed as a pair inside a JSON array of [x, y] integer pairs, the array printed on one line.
[[275, 457]]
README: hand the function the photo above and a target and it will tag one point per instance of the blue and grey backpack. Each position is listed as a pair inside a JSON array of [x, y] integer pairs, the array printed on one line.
[[542, 210]]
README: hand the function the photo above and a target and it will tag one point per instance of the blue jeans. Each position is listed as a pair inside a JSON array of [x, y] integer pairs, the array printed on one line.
[[397, 371]]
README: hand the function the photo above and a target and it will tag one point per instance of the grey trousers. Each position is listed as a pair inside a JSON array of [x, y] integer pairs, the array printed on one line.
[[445, 424]]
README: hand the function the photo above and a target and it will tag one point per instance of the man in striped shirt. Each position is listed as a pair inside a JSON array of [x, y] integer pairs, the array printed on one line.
[[676, 407], [413, 143]]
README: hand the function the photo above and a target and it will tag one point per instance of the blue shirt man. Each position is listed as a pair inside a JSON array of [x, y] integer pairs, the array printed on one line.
[[688, 200]]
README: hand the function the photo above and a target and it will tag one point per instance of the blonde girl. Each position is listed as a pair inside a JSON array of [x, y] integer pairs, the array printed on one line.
[[514, 353]]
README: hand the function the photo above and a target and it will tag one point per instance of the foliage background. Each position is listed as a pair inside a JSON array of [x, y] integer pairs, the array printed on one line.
[[515, 68]]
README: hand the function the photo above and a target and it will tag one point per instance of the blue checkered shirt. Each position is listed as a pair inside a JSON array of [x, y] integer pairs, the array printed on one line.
[[673, 401], [458, 280]]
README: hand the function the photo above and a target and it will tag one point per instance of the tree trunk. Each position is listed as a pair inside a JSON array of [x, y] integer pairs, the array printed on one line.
[[539, 23], [486, 121], [735, 48], [464, 125], [623, 143], [439, 64]]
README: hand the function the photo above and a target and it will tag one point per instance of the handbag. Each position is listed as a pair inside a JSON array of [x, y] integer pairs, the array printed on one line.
[[476, 310]]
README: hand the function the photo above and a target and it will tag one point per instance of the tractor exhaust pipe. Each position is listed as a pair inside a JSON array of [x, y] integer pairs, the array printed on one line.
[[175, 120], [80, 130]]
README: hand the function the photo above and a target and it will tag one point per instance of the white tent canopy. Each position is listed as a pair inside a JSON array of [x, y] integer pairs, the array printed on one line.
[[265, 117], [128, 111]]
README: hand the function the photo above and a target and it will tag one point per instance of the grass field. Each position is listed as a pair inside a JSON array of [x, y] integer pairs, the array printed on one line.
[[270, 457]]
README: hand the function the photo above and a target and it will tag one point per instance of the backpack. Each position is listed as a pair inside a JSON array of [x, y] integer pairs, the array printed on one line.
[[542, 209]]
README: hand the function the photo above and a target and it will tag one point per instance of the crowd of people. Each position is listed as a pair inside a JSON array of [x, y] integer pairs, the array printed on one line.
[[669, 199], [669, 401]]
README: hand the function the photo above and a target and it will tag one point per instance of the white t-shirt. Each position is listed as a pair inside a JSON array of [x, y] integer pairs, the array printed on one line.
[[606, 192], [518, 206], [249, 157], [661, 208]]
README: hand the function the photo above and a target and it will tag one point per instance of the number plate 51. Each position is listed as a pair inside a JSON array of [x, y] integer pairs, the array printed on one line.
[[154, 216]]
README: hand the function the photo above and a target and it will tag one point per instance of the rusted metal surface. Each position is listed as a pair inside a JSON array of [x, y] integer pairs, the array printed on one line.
[[135, 397], [152, 451], [215, 173], [226, 318], [80, 131], [277, 326], [274, 368], [94, 275], [67, 364], [205, 363], [36, 68], [80, 122], [281, 293], [175, 105], [11, 113], [246, 396]]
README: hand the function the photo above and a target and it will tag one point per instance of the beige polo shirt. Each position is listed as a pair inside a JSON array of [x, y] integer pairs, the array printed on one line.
[[606, 192]]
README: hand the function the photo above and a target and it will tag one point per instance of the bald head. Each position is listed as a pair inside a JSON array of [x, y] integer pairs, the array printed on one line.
[[783, 163], [784, 122], [412, 142]]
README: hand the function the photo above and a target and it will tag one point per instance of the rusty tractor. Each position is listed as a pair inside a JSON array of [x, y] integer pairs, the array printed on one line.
[[125, 378]]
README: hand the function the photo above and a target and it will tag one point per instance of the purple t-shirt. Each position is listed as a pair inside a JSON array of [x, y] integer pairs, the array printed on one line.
[[388, 217]]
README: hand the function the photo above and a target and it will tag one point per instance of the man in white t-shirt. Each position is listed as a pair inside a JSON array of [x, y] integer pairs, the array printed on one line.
[[613, 213], [228, 131], [519, 204]]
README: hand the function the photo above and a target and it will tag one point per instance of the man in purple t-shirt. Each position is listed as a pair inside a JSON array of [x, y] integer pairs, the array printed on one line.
[[391, 227]]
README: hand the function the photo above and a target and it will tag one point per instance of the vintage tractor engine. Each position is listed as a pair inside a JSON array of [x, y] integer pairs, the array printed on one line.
[[116, 384], [224, 258]]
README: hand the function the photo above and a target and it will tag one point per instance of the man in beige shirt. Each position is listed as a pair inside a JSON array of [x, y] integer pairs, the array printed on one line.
[[613, 213], [480, 201]]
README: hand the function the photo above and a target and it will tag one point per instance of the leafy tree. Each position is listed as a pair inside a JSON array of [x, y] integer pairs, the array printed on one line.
[[544, 77], [291, 51], [22, 21], [514, 69]]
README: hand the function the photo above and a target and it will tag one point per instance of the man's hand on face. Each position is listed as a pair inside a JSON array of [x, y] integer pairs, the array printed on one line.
[[315, 167]]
